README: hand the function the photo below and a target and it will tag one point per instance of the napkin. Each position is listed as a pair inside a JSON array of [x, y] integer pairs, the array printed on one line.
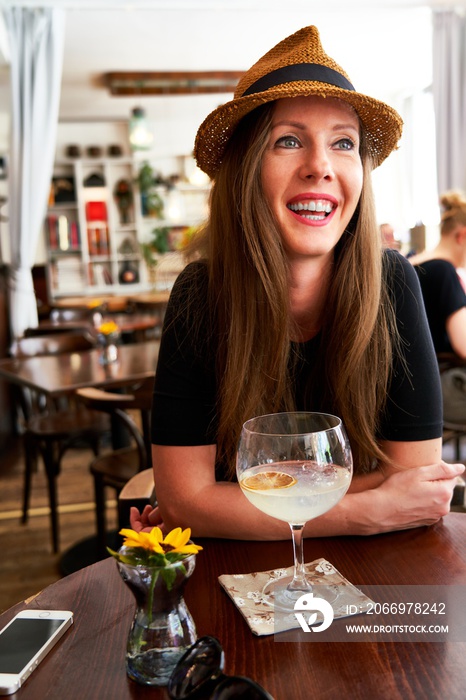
[[245, 590]]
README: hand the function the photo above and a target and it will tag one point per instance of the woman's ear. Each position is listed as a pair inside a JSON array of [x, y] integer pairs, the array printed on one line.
[[460, 235]]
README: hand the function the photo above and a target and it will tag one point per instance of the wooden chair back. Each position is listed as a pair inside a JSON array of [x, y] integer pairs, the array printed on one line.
[[139, 397], [29, 402], [68, 327], [139, 491], [52, 344], [117, 405]]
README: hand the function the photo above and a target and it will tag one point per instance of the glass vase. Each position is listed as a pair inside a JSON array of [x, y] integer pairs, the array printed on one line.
[[162, 627], [109, 354]]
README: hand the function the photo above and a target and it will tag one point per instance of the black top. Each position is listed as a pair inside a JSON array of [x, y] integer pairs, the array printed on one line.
[[443, 295], [185, 384]]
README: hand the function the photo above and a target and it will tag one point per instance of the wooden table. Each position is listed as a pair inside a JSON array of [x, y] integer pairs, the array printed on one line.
[[150, 298], [64, 373], [89, 661], [119, 303], [113, 303], [56, 375], [154, 301], [133, 325], [136, 325]]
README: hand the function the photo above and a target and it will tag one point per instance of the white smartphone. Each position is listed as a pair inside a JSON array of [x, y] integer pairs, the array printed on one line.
[[25, 641]]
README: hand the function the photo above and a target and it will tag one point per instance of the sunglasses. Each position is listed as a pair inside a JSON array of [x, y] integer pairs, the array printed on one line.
[[199, 675]]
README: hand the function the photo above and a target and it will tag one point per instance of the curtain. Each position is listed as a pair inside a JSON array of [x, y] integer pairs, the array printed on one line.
[[36, 40], [449, 90]]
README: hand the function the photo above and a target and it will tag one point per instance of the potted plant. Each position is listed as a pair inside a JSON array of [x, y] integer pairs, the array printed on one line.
[[151, 201], [157, 245]]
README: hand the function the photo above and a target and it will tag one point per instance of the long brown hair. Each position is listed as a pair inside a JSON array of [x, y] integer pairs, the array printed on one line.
[[249, 300]]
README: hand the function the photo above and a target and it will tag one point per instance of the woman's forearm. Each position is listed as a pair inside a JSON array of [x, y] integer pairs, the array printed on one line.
[[413, 495], [413, 498], [223, 511], [363, 482]]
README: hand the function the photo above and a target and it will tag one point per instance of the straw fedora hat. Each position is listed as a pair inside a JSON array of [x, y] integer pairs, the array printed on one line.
[[297, 66]]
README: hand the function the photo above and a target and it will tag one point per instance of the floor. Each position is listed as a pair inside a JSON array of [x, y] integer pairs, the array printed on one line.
[[28, 563]]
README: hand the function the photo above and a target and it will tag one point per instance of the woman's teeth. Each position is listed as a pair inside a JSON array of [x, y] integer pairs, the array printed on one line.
[[321, 208]]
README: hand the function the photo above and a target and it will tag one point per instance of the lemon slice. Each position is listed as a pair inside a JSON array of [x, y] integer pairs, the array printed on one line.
[[268, 480]]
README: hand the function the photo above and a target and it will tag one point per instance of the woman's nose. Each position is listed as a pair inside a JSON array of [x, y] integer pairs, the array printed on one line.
[[317, 164]]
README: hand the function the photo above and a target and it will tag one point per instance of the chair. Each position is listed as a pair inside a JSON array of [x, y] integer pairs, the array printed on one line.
[[44, 329], [139, 491], [52, 344], [458, 500], [114, 469], [65, 321], [51, 426], [452, 432]]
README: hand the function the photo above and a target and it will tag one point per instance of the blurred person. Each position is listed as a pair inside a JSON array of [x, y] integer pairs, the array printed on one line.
[[440, 274], [387, 234]]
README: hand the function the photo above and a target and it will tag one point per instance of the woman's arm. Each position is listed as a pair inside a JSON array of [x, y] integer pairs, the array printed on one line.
[[189, 496], [410, 494], [401, 456]]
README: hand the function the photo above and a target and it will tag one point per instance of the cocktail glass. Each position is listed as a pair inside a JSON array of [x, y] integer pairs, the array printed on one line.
[[294, 466]]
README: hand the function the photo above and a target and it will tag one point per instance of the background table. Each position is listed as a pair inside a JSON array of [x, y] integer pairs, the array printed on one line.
[[133, 326], [89, 661], [66, 372], [60, 374]]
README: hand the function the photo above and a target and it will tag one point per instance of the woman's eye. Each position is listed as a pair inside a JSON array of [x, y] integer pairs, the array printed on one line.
[[345, 144], [288, 142]]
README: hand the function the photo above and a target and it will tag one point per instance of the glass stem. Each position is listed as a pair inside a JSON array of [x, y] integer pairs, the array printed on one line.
[[299, 582]]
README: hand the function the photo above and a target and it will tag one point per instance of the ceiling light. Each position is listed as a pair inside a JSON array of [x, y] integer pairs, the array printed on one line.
[[140, 133]]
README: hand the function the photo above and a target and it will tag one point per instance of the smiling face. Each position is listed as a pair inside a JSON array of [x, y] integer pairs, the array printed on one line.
[[312, 173]]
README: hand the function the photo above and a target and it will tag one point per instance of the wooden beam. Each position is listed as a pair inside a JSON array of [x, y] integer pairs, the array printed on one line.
[[171, 83]]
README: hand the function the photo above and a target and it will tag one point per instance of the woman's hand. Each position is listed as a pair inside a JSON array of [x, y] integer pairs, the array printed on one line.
[[416, 497], [145, 521]]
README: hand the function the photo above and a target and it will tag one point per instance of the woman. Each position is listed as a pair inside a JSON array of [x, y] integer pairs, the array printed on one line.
[[292, 305], [445, 298]]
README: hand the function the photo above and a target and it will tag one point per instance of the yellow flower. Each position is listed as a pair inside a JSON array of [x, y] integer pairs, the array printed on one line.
[[108, 328], [176, 542], [165, 556], [94, 303], [156, 556], [136, 539]]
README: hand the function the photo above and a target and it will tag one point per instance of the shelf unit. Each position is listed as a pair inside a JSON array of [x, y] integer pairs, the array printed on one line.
[[93, 242]]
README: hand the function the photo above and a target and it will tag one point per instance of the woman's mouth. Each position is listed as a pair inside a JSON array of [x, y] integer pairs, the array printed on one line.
[[312, 209]]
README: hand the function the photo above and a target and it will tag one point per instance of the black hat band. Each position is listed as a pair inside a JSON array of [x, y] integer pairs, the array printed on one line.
[[300, 71]]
